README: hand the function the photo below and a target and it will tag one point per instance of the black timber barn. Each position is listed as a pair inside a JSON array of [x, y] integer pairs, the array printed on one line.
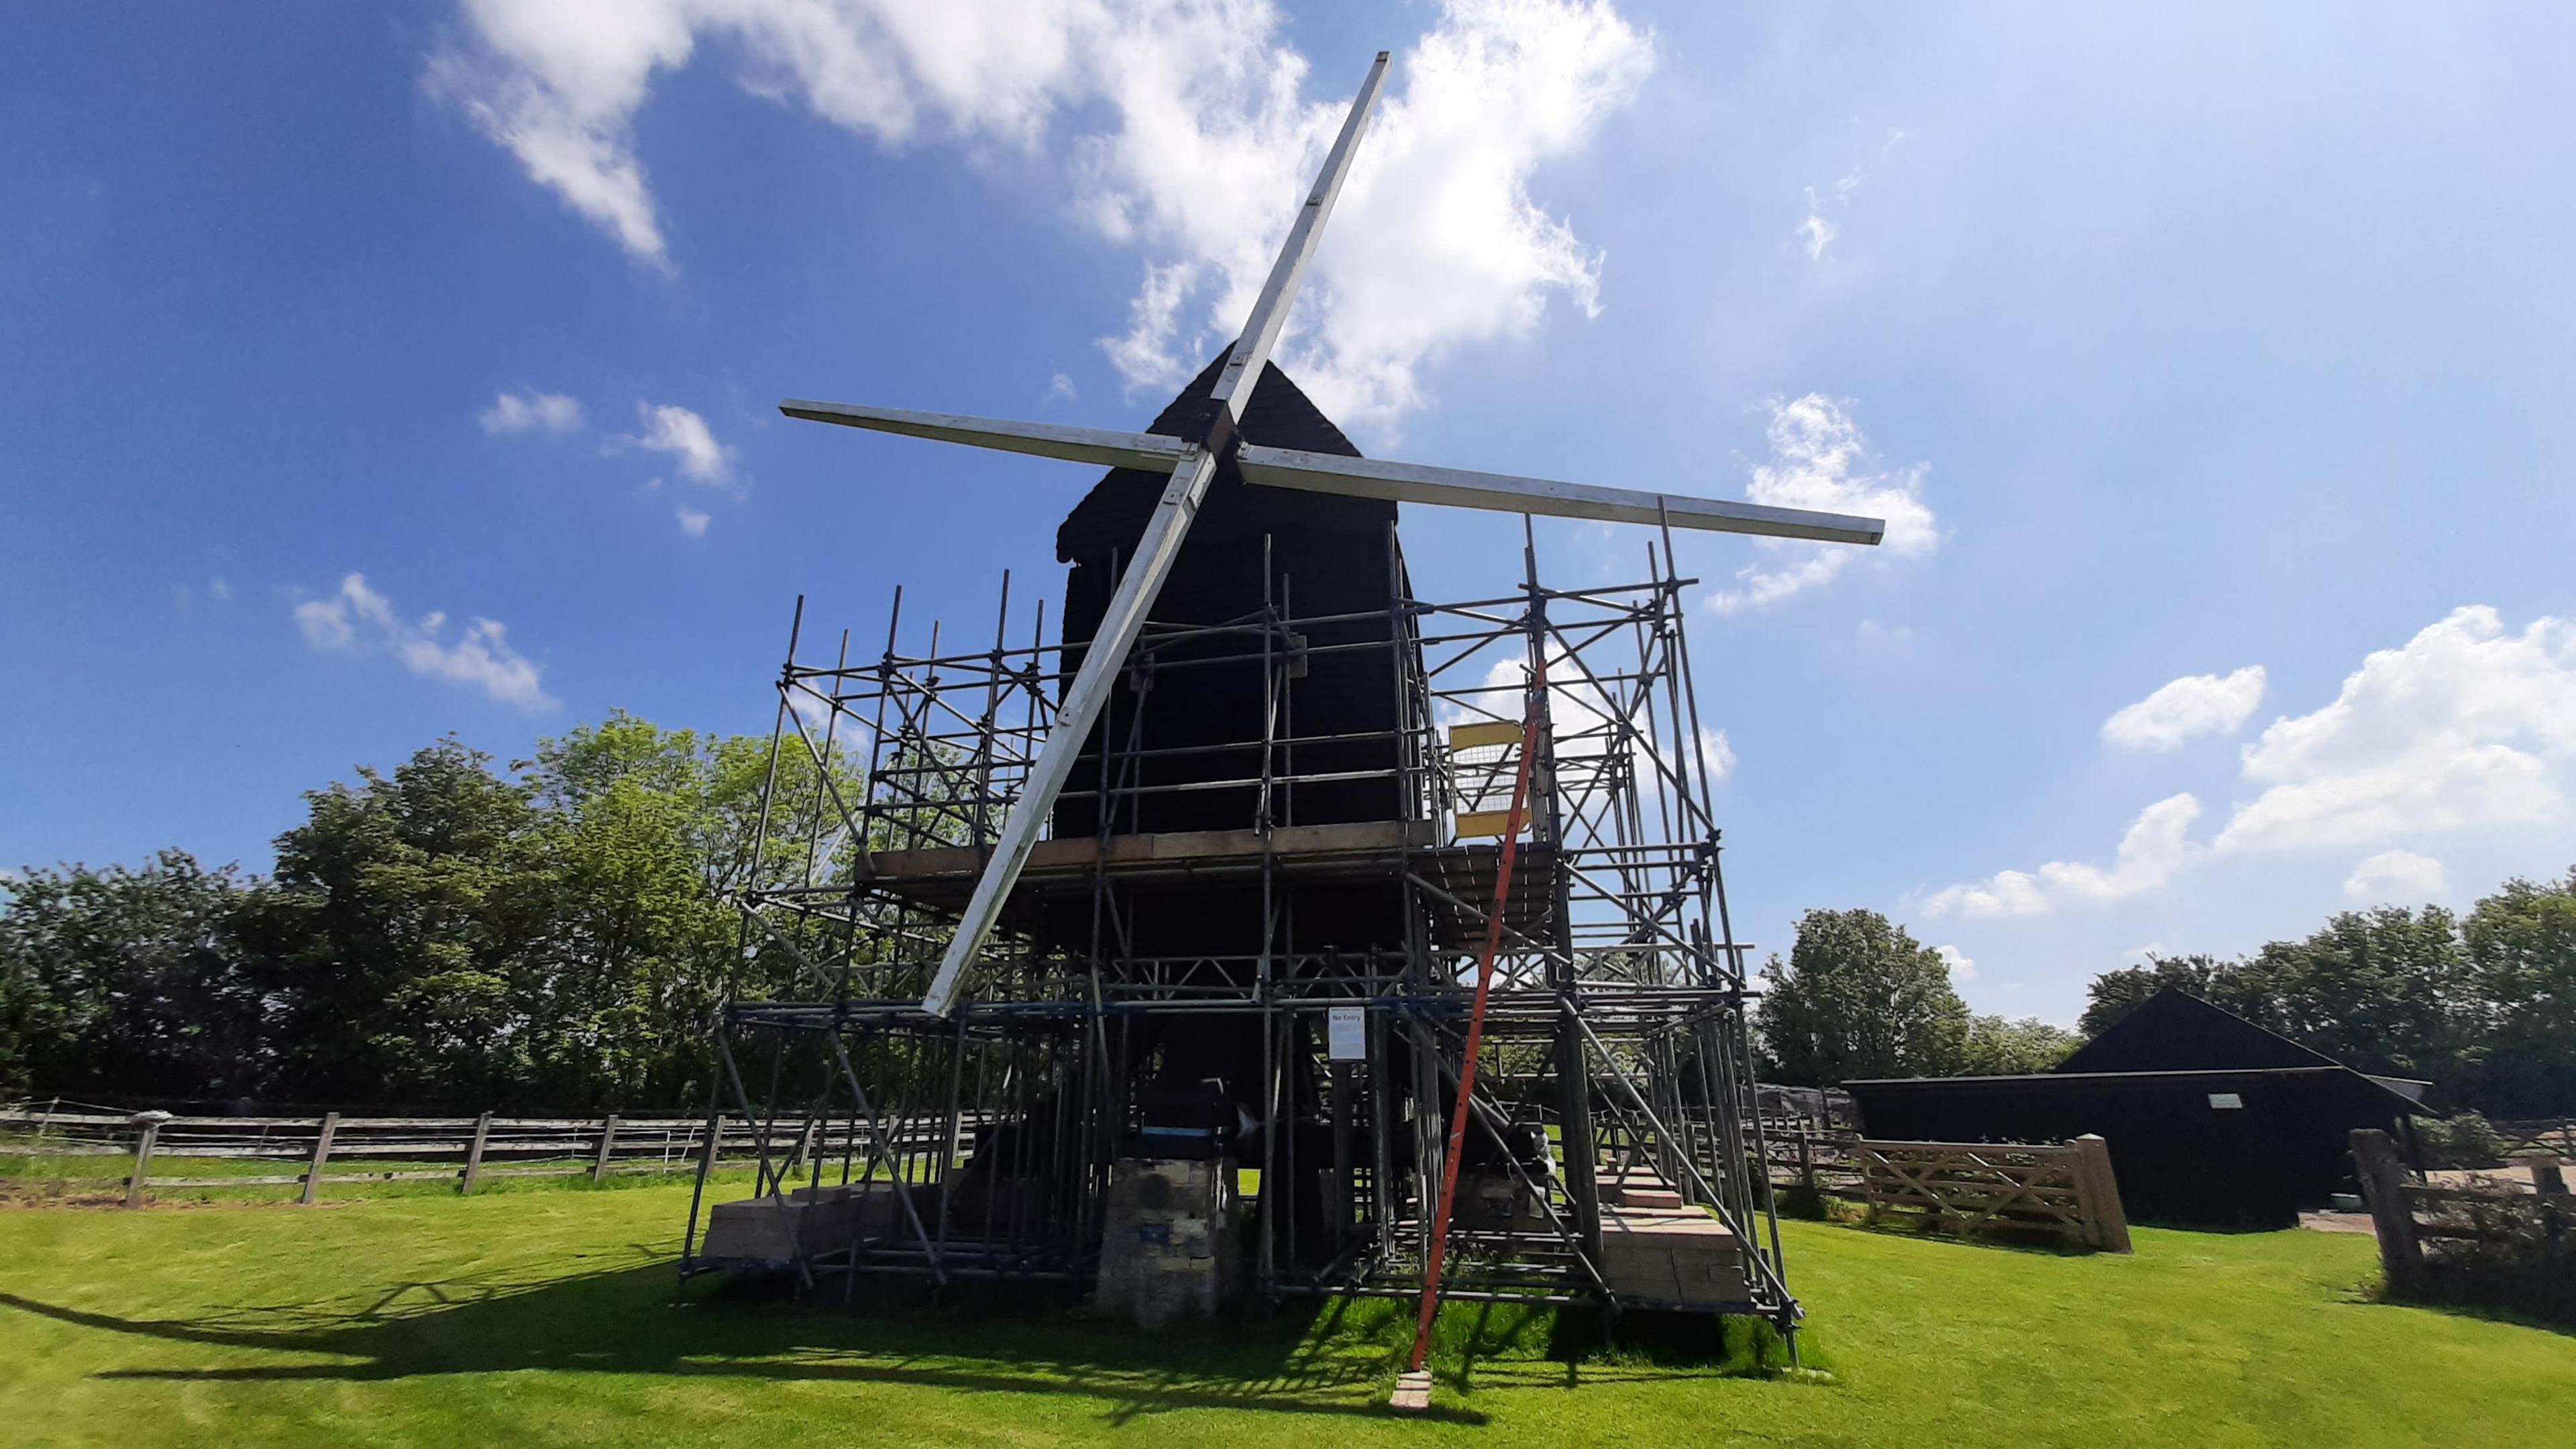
[[2211, 1120]]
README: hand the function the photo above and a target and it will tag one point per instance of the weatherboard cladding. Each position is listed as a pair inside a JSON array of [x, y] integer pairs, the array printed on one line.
[[1327, 555], [2210, 1119]]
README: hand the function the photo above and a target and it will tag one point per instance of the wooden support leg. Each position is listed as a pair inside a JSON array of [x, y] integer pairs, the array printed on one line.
[[2546, 1178], [321, 1156], [143, 1145], [2383, 1186], [607, 1144], [474, 1154]]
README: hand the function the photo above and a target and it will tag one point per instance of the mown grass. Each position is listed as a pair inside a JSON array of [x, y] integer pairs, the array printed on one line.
[[550, 1318]]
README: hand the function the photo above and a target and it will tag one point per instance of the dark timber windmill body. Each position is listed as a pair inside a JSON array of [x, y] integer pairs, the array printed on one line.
[[1140, 960]]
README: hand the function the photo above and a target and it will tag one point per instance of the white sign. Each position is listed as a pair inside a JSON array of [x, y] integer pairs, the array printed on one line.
[[1346, 1034], [2226, 1100]]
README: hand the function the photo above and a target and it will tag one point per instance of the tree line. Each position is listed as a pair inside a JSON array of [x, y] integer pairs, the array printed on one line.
[[449, 935], [2481, 1005], [556, 934]]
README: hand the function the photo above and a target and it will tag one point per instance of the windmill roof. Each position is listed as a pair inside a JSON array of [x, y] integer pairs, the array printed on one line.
[[1278, 415]]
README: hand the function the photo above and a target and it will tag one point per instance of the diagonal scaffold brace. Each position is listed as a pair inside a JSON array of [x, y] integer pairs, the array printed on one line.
[[1413, 1386]]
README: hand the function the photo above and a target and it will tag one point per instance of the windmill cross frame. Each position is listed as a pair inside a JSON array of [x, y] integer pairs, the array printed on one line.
[[1192, 464]]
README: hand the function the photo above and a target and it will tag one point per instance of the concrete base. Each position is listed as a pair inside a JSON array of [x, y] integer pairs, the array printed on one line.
[[1498, 1200], [1167, 1240], [1412, 1392], [776, 1231]]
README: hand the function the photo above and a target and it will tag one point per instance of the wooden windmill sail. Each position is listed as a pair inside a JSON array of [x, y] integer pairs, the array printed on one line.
[[1191, 463]]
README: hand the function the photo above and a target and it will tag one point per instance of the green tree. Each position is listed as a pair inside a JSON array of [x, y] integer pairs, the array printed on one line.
[[645, 831], [2521, 948], [1859, 998], [127, 983], [2114, 994], [404, 910], [1996, 1047], [2382, 991]]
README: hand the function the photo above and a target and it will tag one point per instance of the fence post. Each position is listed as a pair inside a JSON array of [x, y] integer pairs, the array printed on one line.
[[150, 1122], [2098, 1188], [36, 1149], [2546, 1178], [1806, 1158], [607, 1140], [2383, 1186], [474, 1154], [321, 1156]]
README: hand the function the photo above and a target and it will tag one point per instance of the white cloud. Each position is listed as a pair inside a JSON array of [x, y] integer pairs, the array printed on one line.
[[1817, 232], [1144, 356], [693, 523], [1718, 752], [685, 436], [357, 619], [221, 588], [1183, 128], [1815, 450], [2157, 844], [2196, 704], [2465, 726], [2393, 875], [532, 411], [1961, 967], [1059, 386]]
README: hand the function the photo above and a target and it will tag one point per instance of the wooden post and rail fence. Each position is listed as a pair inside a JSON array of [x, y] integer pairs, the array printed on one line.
[[2066, 1191], [50, 1151], [2418, 1223], [2555, 1136]]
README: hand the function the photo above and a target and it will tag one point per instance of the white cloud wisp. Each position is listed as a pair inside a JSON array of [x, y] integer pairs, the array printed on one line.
[[532, 411], [1183, 130], [2194, 705], [2157, 844], [2395, 875], [686, 437], [358, 620], [1816, 452]]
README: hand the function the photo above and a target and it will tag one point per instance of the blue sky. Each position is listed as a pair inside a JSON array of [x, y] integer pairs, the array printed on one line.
[[2188, 342]]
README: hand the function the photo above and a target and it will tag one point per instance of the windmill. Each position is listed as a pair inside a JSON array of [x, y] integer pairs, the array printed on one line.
[[1191, 463]]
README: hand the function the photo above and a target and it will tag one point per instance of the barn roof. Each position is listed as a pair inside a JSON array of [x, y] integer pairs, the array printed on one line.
[[2175, 1031]]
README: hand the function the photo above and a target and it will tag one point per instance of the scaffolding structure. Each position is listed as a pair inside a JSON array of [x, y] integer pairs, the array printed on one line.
[[1615, 1064]]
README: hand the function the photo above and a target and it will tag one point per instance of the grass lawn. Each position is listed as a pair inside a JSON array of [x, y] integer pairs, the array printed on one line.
[[548, 1317]]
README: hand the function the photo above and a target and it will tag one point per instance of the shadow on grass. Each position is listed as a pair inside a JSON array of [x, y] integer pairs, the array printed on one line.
[[1334, 1357], [2484, 1303]]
